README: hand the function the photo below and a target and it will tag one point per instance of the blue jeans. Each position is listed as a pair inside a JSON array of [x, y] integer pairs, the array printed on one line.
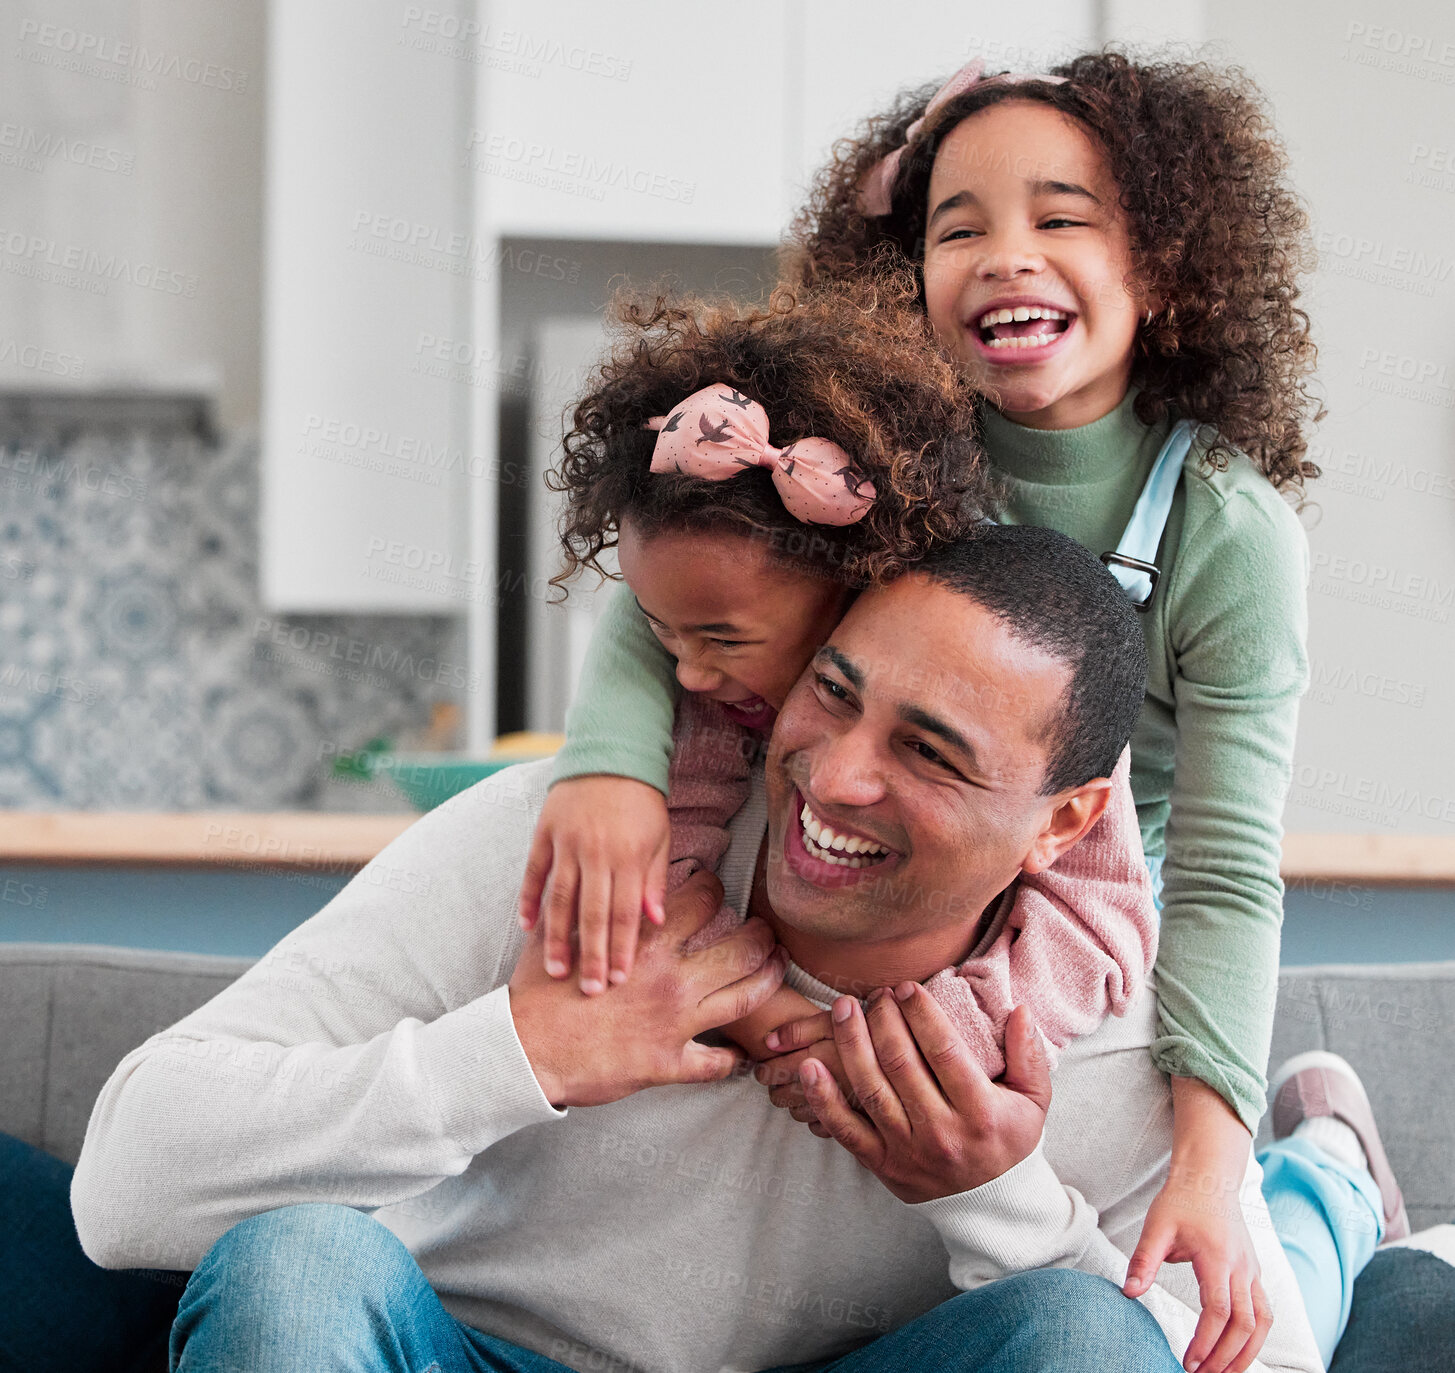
[[59, 1310], [323, 1286], [1403, 1316]]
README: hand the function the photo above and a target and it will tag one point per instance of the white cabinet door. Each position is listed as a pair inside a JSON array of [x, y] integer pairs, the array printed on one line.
[[368, 256], [654, 120]]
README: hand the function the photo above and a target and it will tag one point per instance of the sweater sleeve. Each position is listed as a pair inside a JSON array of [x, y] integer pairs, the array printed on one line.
[[367, 1057], [1079, 941], [621, 720], [1027, 1218], [1241, 667]]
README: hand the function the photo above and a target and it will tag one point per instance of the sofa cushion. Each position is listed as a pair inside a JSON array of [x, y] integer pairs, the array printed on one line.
[[25, 1007], [71, 1012]]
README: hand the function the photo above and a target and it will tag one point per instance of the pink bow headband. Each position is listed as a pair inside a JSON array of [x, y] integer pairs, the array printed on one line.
[[877, 184], [717, 433]]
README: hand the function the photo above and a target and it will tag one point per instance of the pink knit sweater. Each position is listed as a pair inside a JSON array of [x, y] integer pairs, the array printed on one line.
[[1080, 939]]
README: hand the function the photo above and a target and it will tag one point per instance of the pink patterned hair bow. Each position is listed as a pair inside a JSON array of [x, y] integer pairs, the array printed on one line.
[[877, 184], [717, 432]]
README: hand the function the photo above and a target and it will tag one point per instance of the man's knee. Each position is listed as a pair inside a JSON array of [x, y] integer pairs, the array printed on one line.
[[1064, 1319], [260, 1260], [290, 1289]]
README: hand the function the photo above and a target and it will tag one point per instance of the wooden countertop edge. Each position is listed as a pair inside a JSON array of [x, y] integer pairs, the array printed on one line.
[[343, 843], [1374, 859], [206, 839]]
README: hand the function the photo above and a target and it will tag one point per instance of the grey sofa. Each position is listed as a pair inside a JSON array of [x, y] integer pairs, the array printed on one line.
[[69, 1012]]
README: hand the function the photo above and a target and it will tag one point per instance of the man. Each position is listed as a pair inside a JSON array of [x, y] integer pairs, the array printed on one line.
[[399, 1056]]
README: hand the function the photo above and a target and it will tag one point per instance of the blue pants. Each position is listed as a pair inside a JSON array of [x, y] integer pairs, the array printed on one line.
[[323, 1286], [57, 1308], [1328, 1217]]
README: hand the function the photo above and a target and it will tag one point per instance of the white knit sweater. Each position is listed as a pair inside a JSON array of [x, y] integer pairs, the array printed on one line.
[[370, 1059]]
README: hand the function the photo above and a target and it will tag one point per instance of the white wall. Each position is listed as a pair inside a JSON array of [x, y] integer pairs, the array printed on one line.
[[1365, 98], [369, 248], [862, 52]]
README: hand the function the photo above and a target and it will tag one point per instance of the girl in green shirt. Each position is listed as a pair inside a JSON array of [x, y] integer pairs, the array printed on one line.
[[1111, 254]]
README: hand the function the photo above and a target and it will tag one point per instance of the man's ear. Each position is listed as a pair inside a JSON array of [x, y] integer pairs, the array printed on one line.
[[1072, 816]]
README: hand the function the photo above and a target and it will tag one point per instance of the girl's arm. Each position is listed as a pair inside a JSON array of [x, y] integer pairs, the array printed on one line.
[[1241, 666], [598, 858], [621, 720], [606, 859]]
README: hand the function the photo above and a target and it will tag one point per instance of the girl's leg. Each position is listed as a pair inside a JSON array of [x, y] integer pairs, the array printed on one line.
[[1329, 1186], [57, 1308], [1328, 1218]]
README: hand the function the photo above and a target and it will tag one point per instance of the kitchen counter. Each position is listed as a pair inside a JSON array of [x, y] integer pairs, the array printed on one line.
[[314, 841]]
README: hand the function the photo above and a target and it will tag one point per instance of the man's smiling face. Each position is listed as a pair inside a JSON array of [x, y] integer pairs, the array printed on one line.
[[918, 739]]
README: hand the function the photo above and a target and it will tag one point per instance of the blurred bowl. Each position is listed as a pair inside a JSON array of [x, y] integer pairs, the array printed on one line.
[[426, 780]]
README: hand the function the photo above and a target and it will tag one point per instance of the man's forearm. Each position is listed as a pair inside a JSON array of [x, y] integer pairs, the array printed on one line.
[[196, 1131], [368, 1055]]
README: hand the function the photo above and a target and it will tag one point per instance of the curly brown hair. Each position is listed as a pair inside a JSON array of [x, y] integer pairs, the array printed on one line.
[[1217, 232], [855, 364]]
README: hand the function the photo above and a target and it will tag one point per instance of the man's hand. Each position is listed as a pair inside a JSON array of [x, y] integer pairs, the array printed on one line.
[[932, 1123], [586, 1051]]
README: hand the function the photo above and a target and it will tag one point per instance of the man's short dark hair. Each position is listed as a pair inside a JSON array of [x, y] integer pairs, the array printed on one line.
[[1055, 596]]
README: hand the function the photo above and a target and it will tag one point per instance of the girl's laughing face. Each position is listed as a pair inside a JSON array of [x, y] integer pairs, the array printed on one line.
[[741, 623], [1027, 264]]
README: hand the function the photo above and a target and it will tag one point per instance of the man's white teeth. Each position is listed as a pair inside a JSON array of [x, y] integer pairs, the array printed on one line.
[[822, 843], [1011, 313]]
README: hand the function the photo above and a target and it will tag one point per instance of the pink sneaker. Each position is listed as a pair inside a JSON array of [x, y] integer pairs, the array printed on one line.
[[1319, 1083]]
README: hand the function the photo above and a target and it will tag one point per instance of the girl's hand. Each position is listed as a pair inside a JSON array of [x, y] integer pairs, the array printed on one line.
[[1197, 1218], [756, 1032], [1193, 1221], [599, 860], [795, 1042]]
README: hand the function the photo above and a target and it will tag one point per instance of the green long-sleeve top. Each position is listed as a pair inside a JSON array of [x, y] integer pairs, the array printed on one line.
[[1212, 752]]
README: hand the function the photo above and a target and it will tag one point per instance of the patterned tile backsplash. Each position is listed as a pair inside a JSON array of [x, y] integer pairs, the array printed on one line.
[[138, 669]]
